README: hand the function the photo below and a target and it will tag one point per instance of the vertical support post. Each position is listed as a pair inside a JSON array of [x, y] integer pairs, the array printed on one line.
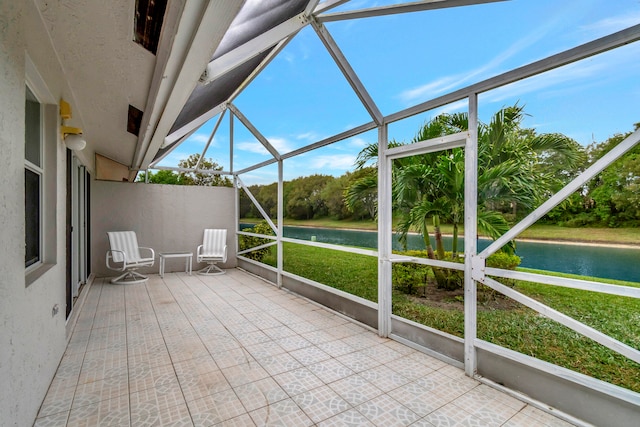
[[384, 234], [280, 221], [237, 212], [236, 186], [470, 235], [231, 143]]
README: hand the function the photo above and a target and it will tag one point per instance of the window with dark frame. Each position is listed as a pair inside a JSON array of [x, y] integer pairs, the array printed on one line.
[[33, 175]]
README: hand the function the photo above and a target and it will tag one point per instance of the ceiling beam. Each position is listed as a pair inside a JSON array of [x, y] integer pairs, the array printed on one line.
[[200, 28], [190, 127], [170, 45], [158, 159]]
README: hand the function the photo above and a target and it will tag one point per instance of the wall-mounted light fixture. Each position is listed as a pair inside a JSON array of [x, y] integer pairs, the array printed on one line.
[[72, 136]]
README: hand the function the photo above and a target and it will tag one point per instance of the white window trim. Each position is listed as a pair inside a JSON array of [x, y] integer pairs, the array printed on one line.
[[48, 171], [39, 170]]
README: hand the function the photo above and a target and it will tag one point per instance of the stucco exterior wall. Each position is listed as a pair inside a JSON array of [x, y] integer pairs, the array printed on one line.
[[167, 218], [32, 338]]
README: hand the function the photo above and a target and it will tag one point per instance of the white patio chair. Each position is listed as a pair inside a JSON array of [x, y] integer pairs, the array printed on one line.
[[124, 256], [212, 250]]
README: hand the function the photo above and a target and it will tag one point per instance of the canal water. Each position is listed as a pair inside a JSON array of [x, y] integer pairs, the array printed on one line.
[[585, 260]]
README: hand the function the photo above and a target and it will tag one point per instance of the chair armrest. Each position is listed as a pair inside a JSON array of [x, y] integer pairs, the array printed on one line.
[[153, 253], [109, 255], [199, 251], [224, 258]]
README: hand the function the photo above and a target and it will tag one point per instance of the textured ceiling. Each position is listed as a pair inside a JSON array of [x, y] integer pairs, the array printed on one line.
[[105, 69]]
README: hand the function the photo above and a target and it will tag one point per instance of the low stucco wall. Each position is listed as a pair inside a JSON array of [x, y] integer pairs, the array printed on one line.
[[167, 218]]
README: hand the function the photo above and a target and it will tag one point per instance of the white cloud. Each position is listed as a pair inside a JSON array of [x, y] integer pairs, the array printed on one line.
[[199, 137], [454, 107], [612, 24], [358, 142], [252, 147], [341, 162], [308, 136], [257, 177], [431, 89], [280, 144], [287, 56], [572, 76], [448, 83]]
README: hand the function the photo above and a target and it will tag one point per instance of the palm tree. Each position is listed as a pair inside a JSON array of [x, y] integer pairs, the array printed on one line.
[[432, 185]]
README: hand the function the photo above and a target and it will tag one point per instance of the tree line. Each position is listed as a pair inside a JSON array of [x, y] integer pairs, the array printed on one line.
[[518, 170]]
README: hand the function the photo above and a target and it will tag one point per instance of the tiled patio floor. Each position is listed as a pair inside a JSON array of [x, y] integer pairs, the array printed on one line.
[[233, 350]]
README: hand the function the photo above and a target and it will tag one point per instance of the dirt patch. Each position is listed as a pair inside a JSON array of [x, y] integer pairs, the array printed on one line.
[[488, 299]]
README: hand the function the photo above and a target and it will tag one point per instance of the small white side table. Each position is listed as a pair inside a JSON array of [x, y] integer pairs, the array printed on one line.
[[188, 257]]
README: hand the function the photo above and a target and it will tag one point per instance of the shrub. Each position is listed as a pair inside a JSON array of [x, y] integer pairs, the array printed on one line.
[[247, 242], [580, 220], [410, 277], [503, 260]]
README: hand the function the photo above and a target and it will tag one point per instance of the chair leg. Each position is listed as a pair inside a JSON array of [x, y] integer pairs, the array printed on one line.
[[211, 270], [129, 277]]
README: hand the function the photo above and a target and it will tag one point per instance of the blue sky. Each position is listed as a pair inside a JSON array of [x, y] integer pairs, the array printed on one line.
[[402, 60]]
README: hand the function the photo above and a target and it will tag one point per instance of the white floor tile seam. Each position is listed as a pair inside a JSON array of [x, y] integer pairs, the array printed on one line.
[[185, 300], [243, 347]]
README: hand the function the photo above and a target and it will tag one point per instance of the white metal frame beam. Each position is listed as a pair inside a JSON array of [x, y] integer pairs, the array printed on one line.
[[586, 50], [190, 170], [257, 204], [213, 134], [192, 126], [170, 52], [196, 123], [615, 153], [201, 29], [252, 48], [157, 160], [563, 319], [266, 61], [565, 282], [418, 6], [263, 42], [347, 71], [385, 231], [264, 141], [470, 243], [475, 266], [256, 166], [446, 142]]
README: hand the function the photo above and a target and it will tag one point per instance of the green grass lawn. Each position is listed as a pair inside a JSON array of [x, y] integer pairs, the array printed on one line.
[[517, 328]]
